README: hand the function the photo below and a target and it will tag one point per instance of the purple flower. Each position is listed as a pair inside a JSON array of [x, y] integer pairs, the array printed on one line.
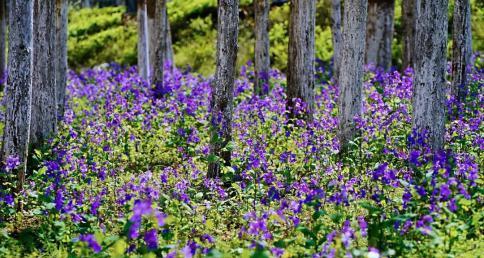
[[151, 239], [189, 250], [445, 192], [12, 163], [91, 242], [363, 226], [8, 199]]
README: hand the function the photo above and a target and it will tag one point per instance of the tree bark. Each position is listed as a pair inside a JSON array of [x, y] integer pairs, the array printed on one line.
[[337, 36], [430, 63], [262, 55], [160, 45], [130, 6], [461, 49], [3, 38], [18, 92], [61, 54], [300, 74], [143, 41], [379, 33], [86, 3], [223, 85], [44, 104], [409, 18], [351, 73]]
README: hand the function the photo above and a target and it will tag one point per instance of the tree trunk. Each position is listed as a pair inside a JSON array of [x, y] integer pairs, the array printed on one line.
[[160, 30], [143, 41], [3, 38], [351, 73], [300, 74], [44, 104], [18, 93], [337, 36], [409, 17], [223, 85], [430, 63], [262, 55], [130, 6], [379, 33], [461, 49], [86, 4], [152, 12], [61, 55], [169, 54]]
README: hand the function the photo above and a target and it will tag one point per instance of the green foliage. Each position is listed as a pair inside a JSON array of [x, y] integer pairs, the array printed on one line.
[[102, 35]]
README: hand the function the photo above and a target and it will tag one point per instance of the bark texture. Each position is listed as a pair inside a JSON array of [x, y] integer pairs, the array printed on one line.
[[409, 18], [337, 36], [61, 9], [3, 37], [300, 68], [18, 92], [429, 82], [262, 55], [351, 73], [143, 41], [44, 104], [379, 33], [461, 48], [161, 44], [223, 85]]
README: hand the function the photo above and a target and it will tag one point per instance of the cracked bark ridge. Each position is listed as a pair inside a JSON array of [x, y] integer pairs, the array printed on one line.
[[143, 40], [337, 36], [409, 18], [262, 55], [44, 104], [429, 80], [18, 92], [300, 68], [61, 9], [3, 37], [461, 49], [379, 33], [161, 44], [221, 105], [351, 73]]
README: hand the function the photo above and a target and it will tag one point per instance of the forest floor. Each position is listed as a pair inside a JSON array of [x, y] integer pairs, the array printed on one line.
[[126, 175]]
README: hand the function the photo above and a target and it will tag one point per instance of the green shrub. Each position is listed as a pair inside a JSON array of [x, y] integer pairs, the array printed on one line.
[[102, 35]]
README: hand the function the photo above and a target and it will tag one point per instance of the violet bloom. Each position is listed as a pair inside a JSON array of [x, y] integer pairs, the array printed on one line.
[[151, 239], [12, 163], [91, 242]]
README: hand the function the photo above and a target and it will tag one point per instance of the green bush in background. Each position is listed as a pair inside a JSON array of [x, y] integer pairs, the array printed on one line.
[[102, 35]]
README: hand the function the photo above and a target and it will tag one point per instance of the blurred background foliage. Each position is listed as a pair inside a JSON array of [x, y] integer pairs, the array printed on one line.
[[102, 35]]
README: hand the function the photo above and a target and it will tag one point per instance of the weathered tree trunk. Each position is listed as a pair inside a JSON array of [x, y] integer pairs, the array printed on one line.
[[409, 18], [337, 36], [151, 13], [86, 4], [130, 6], [221, 105], [429, 82], [61, 54], [262, 55], [300, 66], [44, 104], [143, 41], [351, 73], [461, 48], [160, 44], [169, 54], [18, 92], [379, 33], [3, 37]]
